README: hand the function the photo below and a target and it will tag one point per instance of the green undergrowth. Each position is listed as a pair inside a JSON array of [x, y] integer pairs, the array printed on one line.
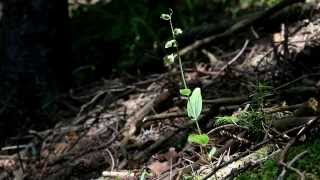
[[251, 120], [309, 164], [251, 117]]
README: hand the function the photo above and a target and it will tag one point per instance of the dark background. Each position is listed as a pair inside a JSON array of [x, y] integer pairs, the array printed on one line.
[[49, 47]]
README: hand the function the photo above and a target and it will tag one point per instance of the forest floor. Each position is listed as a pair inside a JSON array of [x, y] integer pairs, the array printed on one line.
[[260, 96]]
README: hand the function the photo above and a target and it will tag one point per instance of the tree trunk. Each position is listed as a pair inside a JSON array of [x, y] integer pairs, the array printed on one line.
[[36, 57]]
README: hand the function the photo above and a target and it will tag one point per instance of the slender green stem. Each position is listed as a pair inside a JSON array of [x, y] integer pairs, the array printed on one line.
[[179, 57], [198, 127], [181, 71], [171, 27], [199, 131]]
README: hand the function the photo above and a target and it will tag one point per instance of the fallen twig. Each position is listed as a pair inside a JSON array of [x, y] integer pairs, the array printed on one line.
[[216, 168], [229, 144], [248, 160], [302, 131], [227, 100], [233, 59], [119, 174], [132, 123], [146, 152], [163, 116], [246, 23], [282, 174]]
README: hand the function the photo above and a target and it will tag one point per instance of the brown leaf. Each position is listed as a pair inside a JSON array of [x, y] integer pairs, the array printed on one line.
[[60, 148], [158, 168], [71, 137], [172, 155], [7, 164]]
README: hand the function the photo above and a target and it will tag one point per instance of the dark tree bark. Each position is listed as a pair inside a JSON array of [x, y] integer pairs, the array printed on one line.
[[36, 60]]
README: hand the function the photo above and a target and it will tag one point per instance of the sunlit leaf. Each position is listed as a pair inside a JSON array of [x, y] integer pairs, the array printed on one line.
[[201, 139], [194, 105], [185, 92]]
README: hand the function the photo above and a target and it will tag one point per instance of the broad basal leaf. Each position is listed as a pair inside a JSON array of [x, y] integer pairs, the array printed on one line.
[[201, 139], [194, 105], [185, 92]]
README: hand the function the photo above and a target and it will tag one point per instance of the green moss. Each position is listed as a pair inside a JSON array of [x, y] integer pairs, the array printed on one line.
[[308, 164], [250, 119], [267, 171]]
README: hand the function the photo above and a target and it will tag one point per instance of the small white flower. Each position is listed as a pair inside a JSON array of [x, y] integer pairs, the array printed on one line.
[[165, 17], [177, 31], [169, 59], [171, 43]]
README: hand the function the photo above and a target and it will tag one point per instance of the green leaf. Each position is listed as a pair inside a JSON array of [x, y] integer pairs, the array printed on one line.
[[171, 43], [212, 152], [201, 139], [185, 92], [165, 17], [194, 105]]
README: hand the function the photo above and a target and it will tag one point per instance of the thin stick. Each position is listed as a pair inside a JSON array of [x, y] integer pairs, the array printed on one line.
[[235, 58], [281, 176], [292, 141], [239, 26], [215, 169]]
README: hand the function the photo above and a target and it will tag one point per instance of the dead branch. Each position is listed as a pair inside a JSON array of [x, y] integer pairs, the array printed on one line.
[[146, 152], [302, 131], [228, 144], [251, 159], [283, 173], [239, 26], [131, 124], [163, 116], [282, 108], [216, 168], [233, 59], [119, 174], [286, 123], [227, 100], [302, 115]]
